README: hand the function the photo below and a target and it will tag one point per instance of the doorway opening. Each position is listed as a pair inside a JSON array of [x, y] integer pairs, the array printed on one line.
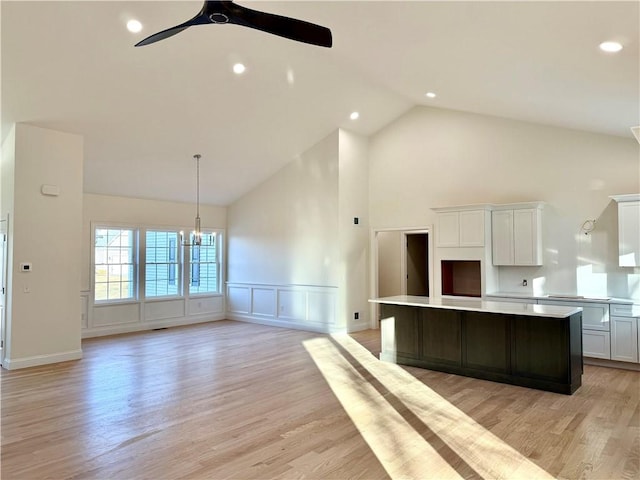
[[417, 264], [401, 264]]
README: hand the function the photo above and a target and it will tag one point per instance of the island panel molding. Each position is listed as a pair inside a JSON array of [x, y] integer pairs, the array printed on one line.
[[536, 346]]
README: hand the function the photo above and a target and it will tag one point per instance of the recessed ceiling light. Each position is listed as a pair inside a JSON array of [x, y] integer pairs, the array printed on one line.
[[354, 115], [610, 47], [134, 26], [430, 95], [239, 68]]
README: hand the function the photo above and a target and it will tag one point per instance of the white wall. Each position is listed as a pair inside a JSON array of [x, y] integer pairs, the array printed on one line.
[[389, 258], [44, 318], [353, 202], [284, 232], [433, 158], [137, 211]]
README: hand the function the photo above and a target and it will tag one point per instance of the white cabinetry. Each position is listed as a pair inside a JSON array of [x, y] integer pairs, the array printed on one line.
[[624, 339], [516, 234], [461, 228], [624, 332], [628, 230], [596, 344]]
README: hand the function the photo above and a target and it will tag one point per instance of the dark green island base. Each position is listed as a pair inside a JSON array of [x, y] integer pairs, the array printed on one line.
[[543, 352]]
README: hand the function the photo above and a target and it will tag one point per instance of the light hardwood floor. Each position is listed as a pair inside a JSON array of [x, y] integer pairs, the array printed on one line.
[[236, 400]]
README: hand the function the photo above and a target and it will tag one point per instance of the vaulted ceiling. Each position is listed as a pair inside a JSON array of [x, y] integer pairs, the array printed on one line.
[[144, 112]]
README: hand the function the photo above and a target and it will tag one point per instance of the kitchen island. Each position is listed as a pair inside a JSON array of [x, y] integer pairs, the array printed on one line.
[[536, 346]]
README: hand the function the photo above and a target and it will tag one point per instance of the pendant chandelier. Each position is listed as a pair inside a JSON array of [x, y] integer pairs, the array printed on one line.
[[197, 232]]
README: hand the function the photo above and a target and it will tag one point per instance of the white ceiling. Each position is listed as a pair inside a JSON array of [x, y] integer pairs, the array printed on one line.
[[144, 112]]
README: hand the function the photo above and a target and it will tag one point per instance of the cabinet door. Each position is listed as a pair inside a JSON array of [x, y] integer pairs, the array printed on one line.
[[448, 233], [596, 344], [624, 339], [472, 228], [502, 237], [526, 237], [400, 330], [540, 348], [487, 342], [629, 234], [441, 336]]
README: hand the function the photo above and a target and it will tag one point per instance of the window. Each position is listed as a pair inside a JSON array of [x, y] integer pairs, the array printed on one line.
[[204, 265], [114, 264], [162, 264]]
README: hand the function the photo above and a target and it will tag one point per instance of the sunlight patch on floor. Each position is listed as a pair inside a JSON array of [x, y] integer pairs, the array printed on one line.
[[460, 444]]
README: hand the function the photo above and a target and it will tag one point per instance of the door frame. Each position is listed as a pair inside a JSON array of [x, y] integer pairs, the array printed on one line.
[[4, 288], [373, 264]]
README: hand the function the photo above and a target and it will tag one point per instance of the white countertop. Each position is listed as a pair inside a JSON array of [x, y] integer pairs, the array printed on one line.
[[566, 298], [479, 305]]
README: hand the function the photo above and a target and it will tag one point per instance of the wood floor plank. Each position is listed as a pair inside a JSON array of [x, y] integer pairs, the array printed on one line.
[[243, 401]]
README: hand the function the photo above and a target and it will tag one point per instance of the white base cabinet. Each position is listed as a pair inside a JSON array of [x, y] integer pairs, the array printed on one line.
[[596, 344], [624, 339]]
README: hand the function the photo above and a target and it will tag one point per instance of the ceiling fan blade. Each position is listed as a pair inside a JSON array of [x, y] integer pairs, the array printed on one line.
[[156, 37], [290, 28], [199, 19], [226, 11]]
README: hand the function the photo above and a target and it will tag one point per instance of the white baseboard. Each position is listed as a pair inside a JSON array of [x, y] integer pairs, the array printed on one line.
[[150, 325], [24, 362], [601, 362], [357, 326], [283, 324]]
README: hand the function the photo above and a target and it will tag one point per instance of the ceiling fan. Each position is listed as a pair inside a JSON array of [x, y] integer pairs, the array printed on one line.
[[219, 12]]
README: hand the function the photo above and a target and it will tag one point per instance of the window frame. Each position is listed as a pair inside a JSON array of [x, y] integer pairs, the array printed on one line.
[[139, 263], [135, 257], [219, 238], [180, 266]]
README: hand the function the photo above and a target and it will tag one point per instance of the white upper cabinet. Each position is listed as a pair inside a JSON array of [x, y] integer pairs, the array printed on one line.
[[516, 234], [460, 228], [448, 229], [628, 230], [472, 228], [502, 237]]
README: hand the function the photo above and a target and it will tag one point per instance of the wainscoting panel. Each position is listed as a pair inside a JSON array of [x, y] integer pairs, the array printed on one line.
[[161, 309], [106, 315], [304, 307], [201, 305], [263, 302], [322, 307], [292, 305], [239, 298]]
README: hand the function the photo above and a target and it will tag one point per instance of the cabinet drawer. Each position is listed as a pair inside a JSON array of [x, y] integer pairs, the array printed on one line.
[[595, 316], [625, 310], [596, 344]]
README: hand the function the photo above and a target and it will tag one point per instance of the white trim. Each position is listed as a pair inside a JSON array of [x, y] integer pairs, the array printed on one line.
[[310, 327], [632, 197], [150, 325], [313, 308], [373, 264], [24, 362]]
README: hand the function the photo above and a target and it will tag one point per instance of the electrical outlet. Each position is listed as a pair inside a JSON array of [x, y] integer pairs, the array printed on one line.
[[524, 282], [356, 315]]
